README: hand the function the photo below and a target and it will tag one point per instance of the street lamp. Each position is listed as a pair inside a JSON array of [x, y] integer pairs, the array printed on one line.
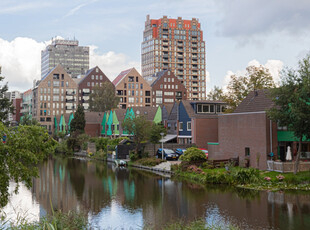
[[162, 145]]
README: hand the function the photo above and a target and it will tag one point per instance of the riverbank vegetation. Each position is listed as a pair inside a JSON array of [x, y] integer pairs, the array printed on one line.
[[58, 220], [243, 177]]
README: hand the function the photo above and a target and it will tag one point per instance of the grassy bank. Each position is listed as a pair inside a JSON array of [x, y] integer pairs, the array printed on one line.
[[58, 220], [246, 178]]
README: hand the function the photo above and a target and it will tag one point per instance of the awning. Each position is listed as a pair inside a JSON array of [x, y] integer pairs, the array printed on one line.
[[168, 138]]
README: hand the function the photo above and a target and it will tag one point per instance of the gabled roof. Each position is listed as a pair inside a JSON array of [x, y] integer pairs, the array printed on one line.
[[256, 101], [80, 80], [147, 111], [120, 113], [121, 76], [168, 107], [158, 76], [93, 117], [48, 73]]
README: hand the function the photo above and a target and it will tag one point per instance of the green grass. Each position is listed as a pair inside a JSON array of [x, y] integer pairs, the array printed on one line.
[[150, 161], [58, 220], [198, 225], [246, 178]]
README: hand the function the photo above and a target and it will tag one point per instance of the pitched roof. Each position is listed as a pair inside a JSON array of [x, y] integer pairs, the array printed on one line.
[[121, 76], [158, 76], [93, 117], [256, 101], [120, 113], [147, 111], [168, 107]]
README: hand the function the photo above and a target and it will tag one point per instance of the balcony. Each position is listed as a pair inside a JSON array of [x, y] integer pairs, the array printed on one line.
[[70, 93], [70, 100], [70, 107]]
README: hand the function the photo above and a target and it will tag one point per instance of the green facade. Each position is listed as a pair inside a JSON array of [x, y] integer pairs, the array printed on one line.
[[158, 116], [115, 124], [69, 122], [103, 123], [109, 124]]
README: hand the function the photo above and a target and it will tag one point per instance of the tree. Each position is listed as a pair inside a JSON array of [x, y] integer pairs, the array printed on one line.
[[78, 122], [27, 120], [103, 98], [239, 86], [6, 105], [216, 94], [23, 149], [155, 131], [139, 128], [292, 102]]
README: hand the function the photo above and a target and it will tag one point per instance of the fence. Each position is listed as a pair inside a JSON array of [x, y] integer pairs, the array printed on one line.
[[285, 167]]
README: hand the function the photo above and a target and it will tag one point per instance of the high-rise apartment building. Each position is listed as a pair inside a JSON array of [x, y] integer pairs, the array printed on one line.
[[68, 53], [177, 45]]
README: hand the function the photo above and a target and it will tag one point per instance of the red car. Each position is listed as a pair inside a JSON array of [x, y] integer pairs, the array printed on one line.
[[205, 151]]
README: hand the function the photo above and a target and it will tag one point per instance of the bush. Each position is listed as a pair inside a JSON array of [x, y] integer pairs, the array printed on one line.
[[101, 143], [245, 176], [133, 156], [149, 161], [62, 148], [100, 154], [193, 154]]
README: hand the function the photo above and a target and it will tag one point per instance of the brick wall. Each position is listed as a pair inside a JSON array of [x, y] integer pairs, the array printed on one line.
[[204, 130], [240, 131]]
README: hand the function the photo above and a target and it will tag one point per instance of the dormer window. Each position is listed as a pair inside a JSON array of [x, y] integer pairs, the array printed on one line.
[[205, 108]]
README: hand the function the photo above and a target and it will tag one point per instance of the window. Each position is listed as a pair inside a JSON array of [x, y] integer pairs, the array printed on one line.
[[141, 86], [92, 77], [189, 126], [137, 79], [49, 83], [181, 126], [67, 84], [62, 83], [159, 100], [247, 151], [159, 93], [56, 83], [96, 77], [88, 83]]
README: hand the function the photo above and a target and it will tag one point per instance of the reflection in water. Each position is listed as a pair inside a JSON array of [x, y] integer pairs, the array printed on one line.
[[128, 198]]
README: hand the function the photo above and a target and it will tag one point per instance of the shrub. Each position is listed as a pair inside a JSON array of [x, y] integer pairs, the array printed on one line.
[[149, 161], [62, 148], [101, 143], [133, 156], [193, 154], [245, 176]]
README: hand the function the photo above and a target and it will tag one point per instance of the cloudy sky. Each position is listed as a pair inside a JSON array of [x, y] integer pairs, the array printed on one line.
[[275, 33]]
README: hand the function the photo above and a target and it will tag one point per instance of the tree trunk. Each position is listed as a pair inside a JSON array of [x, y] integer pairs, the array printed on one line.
[[297, 157]]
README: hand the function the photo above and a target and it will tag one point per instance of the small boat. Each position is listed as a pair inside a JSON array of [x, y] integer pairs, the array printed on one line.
[[120, 163]]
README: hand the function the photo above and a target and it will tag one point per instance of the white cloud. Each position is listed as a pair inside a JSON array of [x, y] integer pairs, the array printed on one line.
[[274, 66], [21, 62], [111, 63]]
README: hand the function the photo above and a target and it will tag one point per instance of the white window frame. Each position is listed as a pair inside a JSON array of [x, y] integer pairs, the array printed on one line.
[[189, 123], [180, 126]]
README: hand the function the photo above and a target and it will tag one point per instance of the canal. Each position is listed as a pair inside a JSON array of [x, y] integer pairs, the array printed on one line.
[[121, 198]]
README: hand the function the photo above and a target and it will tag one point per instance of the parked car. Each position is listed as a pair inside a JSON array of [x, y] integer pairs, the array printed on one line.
[[205, 151], [180, 151], [168, 154]]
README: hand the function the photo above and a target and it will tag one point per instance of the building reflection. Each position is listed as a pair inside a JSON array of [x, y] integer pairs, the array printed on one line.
[[102, 190]]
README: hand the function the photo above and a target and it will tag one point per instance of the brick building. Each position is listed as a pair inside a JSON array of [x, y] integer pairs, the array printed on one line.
[[178, 45], [247, 132], [166, 88], [198, 122], [17, 103], [132, 89], [93, 77], [55, 94]]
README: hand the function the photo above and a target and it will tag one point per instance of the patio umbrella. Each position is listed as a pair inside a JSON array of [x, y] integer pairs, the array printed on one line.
[[288, 154]]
